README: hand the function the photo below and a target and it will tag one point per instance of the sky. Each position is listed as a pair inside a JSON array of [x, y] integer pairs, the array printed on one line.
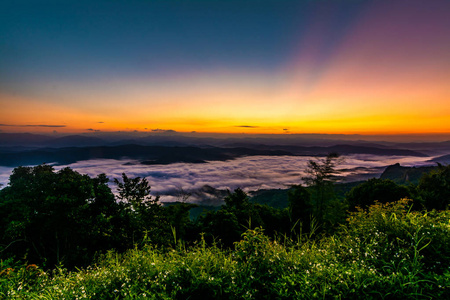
[[328, 66]]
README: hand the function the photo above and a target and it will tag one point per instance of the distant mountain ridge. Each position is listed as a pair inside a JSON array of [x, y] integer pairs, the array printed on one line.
[[31, 149], [37, 140], [75, 141], [147, 154], [340, 148], [199, 140], [166, 155], [22, 139], [444, 159]]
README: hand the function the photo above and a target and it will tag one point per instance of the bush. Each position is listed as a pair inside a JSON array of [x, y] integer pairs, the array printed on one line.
[[434, 187], [386, 252], [376, 189], [391, 238]]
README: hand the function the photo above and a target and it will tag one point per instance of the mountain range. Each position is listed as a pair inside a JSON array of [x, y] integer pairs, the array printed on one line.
[[150, 155], [31, 149]]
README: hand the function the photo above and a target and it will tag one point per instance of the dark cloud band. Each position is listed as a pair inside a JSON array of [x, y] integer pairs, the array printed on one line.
[[39, 125]]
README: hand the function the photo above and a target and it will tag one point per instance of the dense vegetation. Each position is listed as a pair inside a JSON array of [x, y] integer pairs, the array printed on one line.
[[367, 244]]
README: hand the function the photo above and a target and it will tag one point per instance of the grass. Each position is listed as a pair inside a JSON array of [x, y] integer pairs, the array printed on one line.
[[387, 252]]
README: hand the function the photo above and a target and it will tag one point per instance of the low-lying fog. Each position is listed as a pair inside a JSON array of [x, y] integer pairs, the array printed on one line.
[[249, 173]]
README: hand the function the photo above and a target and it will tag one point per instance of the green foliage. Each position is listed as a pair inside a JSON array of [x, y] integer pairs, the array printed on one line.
[[179, 219], [55, 217], [375, 189], [238, 200], [144, 218], [226, 225], [221, 226], [300, 208], [276, 198], [405, 175], [51, 218], [299, 202], [322, 171], [391, 238], [135, 192], [385, 251], [380, 254], [434, 188], [327, 208]]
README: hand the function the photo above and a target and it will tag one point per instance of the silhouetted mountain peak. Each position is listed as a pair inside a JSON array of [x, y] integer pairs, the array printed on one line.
[[23, 139], [75, 141]]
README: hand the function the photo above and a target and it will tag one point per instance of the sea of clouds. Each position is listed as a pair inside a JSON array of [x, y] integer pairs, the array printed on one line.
[[249, 173]]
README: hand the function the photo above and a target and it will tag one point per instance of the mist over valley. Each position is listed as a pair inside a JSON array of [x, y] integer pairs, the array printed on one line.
[[204, 168]]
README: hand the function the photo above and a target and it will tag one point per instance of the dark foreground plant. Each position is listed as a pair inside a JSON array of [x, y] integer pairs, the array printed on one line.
[[386, 252]]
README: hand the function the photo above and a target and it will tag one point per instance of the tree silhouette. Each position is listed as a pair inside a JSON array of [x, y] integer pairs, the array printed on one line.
[[58, 217], [300, 207], [147, 219], [434, 188], [382, 190], [136, 192], [321, 176]]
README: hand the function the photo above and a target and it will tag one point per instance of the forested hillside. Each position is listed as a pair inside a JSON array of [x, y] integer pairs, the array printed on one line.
[[67, 235]]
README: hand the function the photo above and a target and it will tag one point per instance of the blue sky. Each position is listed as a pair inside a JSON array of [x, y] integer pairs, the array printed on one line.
[[80, 61]]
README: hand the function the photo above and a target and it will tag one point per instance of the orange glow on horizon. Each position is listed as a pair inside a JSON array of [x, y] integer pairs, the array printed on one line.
[[380, 78], [314, 118]]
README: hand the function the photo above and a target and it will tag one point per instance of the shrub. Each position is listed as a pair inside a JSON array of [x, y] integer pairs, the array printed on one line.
[[390, 237], [386, 252]]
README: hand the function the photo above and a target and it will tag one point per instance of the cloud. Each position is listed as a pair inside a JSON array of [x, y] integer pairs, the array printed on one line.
[[4, 175], [94, 130], [247, 126], [38, 125], [249, 173], [100, 122], [164, 130]]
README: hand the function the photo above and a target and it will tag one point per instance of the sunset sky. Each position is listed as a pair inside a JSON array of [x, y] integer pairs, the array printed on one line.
[[368, 67]]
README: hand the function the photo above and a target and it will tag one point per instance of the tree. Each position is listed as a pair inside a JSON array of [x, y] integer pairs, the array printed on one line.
[[136, 192], [300, 207], [147, 219], [109, 216], [179, 219], [247, 213], [434, 188], [56, 217], [220, 226], [237, 200], [382, 190], [238, 214], [321, 176]]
